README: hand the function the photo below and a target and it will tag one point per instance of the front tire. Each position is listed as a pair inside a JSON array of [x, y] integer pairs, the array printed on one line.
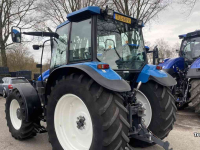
[[163, 111], [103, 124], [15, 111]]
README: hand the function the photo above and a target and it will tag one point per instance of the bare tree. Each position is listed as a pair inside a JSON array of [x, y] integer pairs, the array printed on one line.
[[20, 59], [14, 12], [140, 9], [56, 10], [188, 4]]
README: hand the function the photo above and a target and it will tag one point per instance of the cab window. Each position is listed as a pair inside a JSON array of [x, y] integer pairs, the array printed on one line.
[[80, 44], [60, 47]]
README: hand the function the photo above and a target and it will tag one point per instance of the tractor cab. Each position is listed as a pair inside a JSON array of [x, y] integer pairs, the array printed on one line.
[[190, 46], [100, 35]]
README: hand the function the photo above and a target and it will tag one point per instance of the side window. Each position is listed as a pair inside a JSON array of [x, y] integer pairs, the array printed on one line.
[[60, 47], [80, 45]]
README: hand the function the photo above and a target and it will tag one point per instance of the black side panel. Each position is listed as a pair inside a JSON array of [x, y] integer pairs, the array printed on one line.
[[193, 73], [170, 71], [32, 100], [166, 81], [113, 85]]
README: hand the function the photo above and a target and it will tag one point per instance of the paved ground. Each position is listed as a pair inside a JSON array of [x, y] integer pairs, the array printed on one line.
[[181, 138]]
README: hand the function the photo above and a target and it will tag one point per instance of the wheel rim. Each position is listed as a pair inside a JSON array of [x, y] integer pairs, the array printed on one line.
[[14, 109], [148, 111], [73, 124]]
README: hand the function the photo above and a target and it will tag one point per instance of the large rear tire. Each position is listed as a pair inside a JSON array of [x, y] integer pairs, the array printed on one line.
[[15, 111], [195, 95], [163, 111], [94, 117]]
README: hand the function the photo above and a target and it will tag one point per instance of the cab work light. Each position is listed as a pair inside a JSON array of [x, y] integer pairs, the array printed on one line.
[[103, 66]]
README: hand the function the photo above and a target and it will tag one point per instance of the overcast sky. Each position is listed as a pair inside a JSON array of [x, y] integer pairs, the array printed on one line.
[[173, 21], [170, 23]]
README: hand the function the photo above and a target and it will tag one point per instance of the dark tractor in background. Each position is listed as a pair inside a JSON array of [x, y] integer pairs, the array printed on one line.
[[86, 104], [186, 70]]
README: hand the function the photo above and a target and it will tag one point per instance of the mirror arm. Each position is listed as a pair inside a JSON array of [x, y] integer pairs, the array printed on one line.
[[48, 34]]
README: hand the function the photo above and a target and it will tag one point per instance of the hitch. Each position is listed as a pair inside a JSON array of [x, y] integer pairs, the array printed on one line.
[[139, 131]]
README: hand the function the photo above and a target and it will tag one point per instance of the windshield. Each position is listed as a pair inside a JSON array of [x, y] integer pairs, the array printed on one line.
[[191, 48], [120, 45]]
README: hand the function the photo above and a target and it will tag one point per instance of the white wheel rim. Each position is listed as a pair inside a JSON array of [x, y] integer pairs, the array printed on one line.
[[4, 94], [14, 106], [68, 109], [148, 111]]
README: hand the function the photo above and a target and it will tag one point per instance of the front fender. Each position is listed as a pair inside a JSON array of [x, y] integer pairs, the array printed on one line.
[[149, 72], [107, 78], [32, 101]]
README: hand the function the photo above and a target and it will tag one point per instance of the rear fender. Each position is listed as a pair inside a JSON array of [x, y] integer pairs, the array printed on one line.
[[32, 101], [149, 72], [107, 78]]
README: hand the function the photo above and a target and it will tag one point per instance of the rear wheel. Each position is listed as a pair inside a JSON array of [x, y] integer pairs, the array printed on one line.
[[163, 111], [16, 117], [83, 115], [195, 95]]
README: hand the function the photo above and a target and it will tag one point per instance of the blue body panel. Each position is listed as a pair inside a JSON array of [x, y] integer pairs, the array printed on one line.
[[150, 70], [172, 63], [106, 73], [45, 75], [196, 63]]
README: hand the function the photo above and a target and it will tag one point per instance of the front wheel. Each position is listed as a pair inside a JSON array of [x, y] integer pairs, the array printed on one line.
[[82, 115], [19, 127], [160, 110]]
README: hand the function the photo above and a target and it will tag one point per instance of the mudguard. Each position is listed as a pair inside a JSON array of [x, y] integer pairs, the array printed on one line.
[[32, 101], [149, 72], [169, 65], [194, 71], [107, 78]]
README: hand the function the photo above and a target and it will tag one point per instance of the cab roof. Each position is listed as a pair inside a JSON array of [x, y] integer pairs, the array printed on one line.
[[190, 34], [83, 14]]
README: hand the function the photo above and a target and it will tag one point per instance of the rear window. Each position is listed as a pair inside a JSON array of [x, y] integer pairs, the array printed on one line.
[[15, 81]]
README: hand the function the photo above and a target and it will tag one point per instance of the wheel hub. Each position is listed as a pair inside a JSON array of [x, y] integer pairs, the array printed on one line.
[[19, 116], [81, 122]]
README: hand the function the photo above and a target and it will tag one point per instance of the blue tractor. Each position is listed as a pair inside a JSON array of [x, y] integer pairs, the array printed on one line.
[[86, 103], [186, 70]]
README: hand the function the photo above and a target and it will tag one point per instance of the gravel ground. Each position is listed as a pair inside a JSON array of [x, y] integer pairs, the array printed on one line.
[[181, 138]]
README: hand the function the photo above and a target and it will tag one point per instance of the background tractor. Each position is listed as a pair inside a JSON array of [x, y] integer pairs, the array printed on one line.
[[86, 104], [185, 69]]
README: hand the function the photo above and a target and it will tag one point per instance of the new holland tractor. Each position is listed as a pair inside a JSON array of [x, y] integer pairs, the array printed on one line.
[[85, 103], [186, 70]]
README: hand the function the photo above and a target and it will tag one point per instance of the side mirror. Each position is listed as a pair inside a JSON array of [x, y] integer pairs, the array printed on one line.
[[16, 34], [39, 66], [147, 49], [36, 47]]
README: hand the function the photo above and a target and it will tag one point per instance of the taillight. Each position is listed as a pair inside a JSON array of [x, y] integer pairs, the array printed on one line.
[[103, 66], [158, 67], [10, 87]]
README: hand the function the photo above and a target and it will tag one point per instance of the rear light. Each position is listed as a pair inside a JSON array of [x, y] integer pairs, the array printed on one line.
[[158, 67], [103, 66], [10, 87]]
